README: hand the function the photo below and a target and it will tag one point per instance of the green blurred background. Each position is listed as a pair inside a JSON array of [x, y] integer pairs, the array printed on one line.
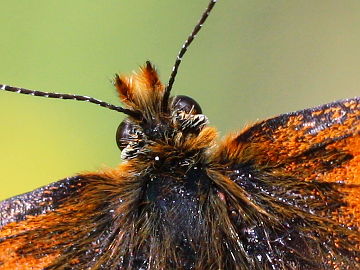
[[253, 59]]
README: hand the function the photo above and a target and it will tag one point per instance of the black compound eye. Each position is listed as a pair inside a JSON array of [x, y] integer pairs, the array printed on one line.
[[186, 104], [123, 132]]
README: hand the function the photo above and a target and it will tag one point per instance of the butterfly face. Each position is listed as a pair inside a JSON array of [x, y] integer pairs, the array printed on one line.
[[159, 124], [185, 118]]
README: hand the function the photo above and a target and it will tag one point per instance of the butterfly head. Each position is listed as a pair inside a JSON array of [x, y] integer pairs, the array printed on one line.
[[157, 121]]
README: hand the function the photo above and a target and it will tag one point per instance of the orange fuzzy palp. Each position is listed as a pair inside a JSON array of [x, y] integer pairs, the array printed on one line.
[[141, 91]]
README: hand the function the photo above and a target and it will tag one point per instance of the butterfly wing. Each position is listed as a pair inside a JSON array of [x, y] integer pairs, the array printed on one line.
[[300, 174], [25, 239], [37, 202]]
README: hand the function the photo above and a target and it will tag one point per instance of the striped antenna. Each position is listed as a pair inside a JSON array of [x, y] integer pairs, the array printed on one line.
[[71, 97], [183, 50]]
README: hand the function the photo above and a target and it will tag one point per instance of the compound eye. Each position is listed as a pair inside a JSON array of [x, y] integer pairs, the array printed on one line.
[[123, 132], [186, 104]]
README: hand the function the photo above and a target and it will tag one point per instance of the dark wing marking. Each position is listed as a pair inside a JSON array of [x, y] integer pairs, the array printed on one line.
[[38, 201], [300, 174]]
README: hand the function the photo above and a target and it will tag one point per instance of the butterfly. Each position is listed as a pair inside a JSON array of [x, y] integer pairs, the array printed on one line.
[[280, 194]]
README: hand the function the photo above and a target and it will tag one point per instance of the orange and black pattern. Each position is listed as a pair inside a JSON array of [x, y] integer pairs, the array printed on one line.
[[302, 172], [281, 194]]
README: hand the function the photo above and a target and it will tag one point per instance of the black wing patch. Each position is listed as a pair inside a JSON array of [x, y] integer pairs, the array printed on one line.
[[38, 201]]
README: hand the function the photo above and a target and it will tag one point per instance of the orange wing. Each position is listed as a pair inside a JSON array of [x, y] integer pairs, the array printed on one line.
[[25, 239], [300, 174]]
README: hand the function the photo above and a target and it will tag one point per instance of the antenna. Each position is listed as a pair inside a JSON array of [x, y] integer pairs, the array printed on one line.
[[69, 96], [183, 50]]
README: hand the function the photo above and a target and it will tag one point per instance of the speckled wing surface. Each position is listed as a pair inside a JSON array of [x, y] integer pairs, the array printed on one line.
[[37, 202], [299, 174]]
